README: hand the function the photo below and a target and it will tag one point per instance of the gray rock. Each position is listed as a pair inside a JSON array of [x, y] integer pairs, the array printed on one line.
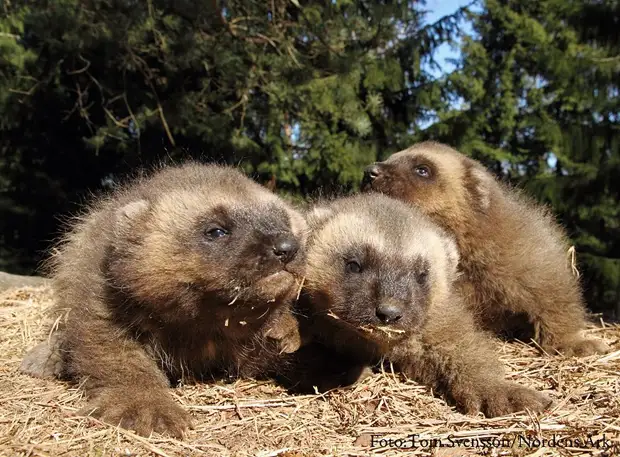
[[9, 281]]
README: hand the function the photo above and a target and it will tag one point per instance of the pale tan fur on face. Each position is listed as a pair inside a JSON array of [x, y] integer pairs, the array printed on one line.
[[337, 234], [444, 256], [196, 201]]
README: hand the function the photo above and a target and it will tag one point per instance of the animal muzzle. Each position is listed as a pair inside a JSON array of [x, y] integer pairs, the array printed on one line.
[[284, 248], [371, 173], [390, 311]]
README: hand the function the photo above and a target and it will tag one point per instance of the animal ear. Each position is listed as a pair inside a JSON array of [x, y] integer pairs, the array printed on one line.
[[318, 215], [483, 183], [126, 215], [452, 253]]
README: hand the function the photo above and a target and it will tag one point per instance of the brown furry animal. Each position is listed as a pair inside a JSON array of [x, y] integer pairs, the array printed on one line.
[[513, 253], [177, 276], [379, 284]]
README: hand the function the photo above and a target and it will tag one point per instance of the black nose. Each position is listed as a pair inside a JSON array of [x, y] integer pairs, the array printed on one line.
[[373, 171], [389, 312], [285, 248], [370, 173]]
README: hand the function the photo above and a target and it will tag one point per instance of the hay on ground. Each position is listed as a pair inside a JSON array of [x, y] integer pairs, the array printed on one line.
[[249, 418]]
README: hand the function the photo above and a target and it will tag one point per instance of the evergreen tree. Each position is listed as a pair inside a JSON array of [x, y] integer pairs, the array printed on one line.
[[302, 93]]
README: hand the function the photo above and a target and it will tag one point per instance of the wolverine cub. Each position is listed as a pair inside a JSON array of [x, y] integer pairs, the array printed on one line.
[[379, 284], [176, 276], [513, 254]]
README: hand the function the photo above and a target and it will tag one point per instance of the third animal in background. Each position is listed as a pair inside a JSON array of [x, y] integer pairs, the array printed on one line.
[[516, 277]]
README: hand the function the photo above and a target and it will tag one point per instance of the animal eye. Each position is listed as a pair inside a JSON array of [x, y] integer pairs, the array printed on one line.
[[353, 267], [423, 171], [422, 276], [216, 233]]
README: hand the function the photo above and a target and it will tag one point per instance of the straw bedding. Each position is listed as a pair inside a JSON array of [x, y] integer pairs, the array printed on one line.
[[249, 418]]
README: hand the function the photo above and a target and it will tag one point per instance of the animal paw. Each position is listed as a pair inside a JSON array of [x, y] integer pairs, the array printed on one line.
[[143, 411], [289, 343], [285, 331], [582, 347], [501, 399]]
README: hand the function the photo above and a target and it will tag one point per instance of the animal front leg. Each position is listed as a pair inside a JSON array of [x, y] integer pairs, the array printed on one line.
[[455, 359], [123, 384]]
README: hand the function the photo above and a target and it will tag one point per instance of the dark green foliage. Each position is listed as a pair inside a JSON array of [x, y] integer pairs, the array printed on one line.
[[300, 93]]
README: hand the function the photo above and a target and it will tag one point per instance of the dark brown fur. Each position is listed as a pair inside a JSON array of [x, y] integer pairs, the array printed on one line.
[[156, 294], [400, 304], [513, 253]]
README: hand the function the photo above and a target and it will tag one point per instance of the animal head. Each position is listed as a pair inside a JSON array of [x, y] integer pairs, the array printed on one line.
[[206, 235], [376, 264], [439, 180]]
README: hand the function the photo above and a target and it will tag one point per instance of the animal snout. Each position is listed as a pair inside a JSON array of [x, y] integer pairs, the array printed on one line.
[[285, 247], [372, 171], [389, 312], [370, 174]]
